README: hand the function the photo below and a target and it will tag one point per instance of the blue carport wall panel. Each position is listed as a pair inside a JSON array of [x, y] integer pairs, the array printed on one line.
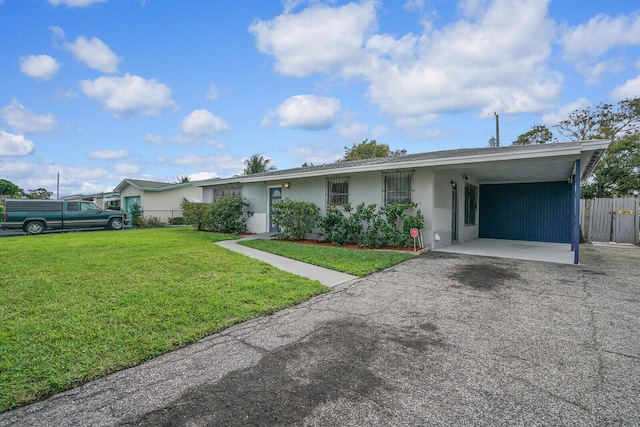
[[540, 211]]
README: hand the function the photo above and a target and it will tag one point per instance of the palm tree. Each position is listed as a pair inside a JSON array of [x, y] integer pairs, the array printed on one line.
[[183, 179], [257, 163]]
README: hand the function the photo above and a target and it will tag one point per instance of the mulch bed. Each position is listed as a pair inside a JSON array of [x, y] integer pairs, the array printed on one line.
[[385, 248]]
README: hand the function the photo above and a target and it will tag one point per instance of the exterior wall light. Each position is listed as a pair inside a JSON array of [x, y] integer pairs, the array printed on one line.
[[287, 185]]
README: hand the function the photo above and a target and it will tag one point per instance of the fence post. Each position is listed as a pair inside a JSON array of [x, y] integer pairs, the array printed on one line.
[[636, 222], [576, 219]]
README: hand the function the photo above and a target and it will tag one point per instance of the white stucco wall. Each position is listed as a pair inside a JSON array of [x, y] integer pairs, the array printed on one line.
[[431, 192], [257, 223], [442, 210]]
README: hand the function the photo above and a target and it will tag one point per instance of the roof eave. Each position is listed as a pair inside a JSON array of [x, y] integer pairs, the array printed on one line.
[[550, 150]]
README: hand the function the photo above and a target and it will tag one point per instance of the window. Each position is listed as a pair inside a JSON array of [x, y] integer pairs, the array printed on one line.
[[88, 207], [337, 191], [224, 192], [397, 187], [470, 204]]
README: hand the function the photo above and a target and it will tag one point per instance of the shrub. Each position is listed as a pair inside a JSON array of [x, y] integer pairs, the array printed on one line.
[[192, 213], [178, 220], [135, 212], [294, 218], [368, 227], [228, 215], [153, 221]]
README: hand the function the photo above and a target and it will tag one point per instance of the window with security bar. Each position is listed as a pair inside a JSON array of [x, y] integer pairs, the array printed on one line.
[[397, 187], [337, 191], [223, 193]]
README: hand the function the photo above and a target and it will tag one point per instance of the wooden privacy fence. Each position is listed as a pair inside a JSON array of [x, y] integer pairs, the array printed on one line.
[[610, 220]]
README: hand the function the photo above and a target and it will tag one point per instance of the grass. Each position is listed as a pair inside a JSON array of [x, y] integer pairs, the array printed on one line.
[[358, 262], [76, 306]]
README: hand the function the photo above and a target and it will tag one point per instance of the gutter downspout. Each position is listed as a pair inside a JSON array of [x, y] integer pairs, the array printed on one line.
[[576, 215]]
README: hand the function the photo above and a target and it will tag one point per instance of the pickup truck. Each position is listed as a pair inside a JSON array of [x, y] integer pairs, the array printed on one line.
[[35, 216]]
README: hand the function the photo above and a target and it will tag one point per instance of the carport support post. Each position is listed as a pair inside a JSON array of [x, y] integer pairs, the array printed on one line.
[[576, 216]]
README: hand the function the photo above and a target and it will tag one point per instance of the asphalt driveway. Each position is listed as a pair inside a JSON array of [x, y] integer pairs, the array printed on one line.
[[443, 339]]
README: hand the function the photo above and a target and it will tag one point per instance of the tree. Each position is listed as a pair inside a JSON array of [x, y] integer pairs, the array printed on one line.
[[40, 193], [257, 163], [9, 190], [369, 150], [618, 172], [602, 121], [183, 179], [539, 134]]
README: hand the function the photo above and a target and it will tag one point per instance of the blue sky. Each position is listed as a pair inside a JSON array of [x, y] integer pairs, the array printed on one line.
[[103, 90]]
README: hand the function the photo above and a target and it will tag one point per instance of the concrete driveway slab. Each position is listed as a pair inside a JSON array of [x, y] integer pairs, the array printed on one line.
[[443, 339]]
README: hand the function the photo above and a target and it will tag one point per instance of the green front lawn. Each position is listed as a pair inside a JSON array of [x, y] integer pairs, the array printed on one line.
[[358, 262], [76, 306]]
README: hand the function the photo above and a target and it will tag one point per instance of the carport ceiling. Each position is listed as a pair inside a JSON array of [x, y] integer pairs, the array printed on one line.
[[536, 170]]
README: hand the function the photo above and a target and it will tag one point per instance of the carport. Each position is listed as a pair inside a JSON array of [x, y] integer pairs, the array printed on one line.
[[529, 207]]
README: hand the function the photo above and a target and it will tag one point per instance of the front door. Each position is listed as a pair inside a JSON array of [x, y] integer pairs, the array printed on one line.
[[130, 201], [275, 195], [454, 211]]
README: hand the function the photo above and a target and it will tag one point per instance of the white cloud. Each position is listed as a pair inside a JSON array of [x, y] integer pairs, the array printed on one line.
[[585, 44], [308, 112], [154, 139], [599, 35], [564, 111], [94, 54], [74, 179], [183, 139], [496, 62], [202, 122], [316, 154], [353, 131], [200, 176], [129, 96], [41, 67], [209, 163], [493, 60], [412, 5], [75, 3], [319, 39], [26, 121], [14, 145], [58, 33], [630, 89], [213, 92], [107, 154], [267, 119], [126, 169]]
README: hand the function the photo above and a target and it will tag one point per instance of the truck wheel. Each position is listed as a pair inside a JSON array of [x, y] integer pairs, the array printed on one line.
[[34, 227], [115, 224]]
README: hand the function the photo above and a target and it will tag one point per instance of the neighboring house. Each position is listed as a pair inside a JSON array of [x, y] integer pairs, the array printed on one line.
[[157, 199], [102, 200], [516, 192]]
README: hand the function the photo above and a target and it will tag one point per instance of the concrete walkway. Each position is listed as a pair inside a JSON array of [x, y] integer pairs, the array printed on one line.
[[325, 276]]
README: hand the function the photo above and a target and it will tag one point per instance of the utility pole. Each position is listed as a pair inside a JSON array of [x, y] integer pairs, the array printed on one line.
[[497, 129], [58, 187]]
